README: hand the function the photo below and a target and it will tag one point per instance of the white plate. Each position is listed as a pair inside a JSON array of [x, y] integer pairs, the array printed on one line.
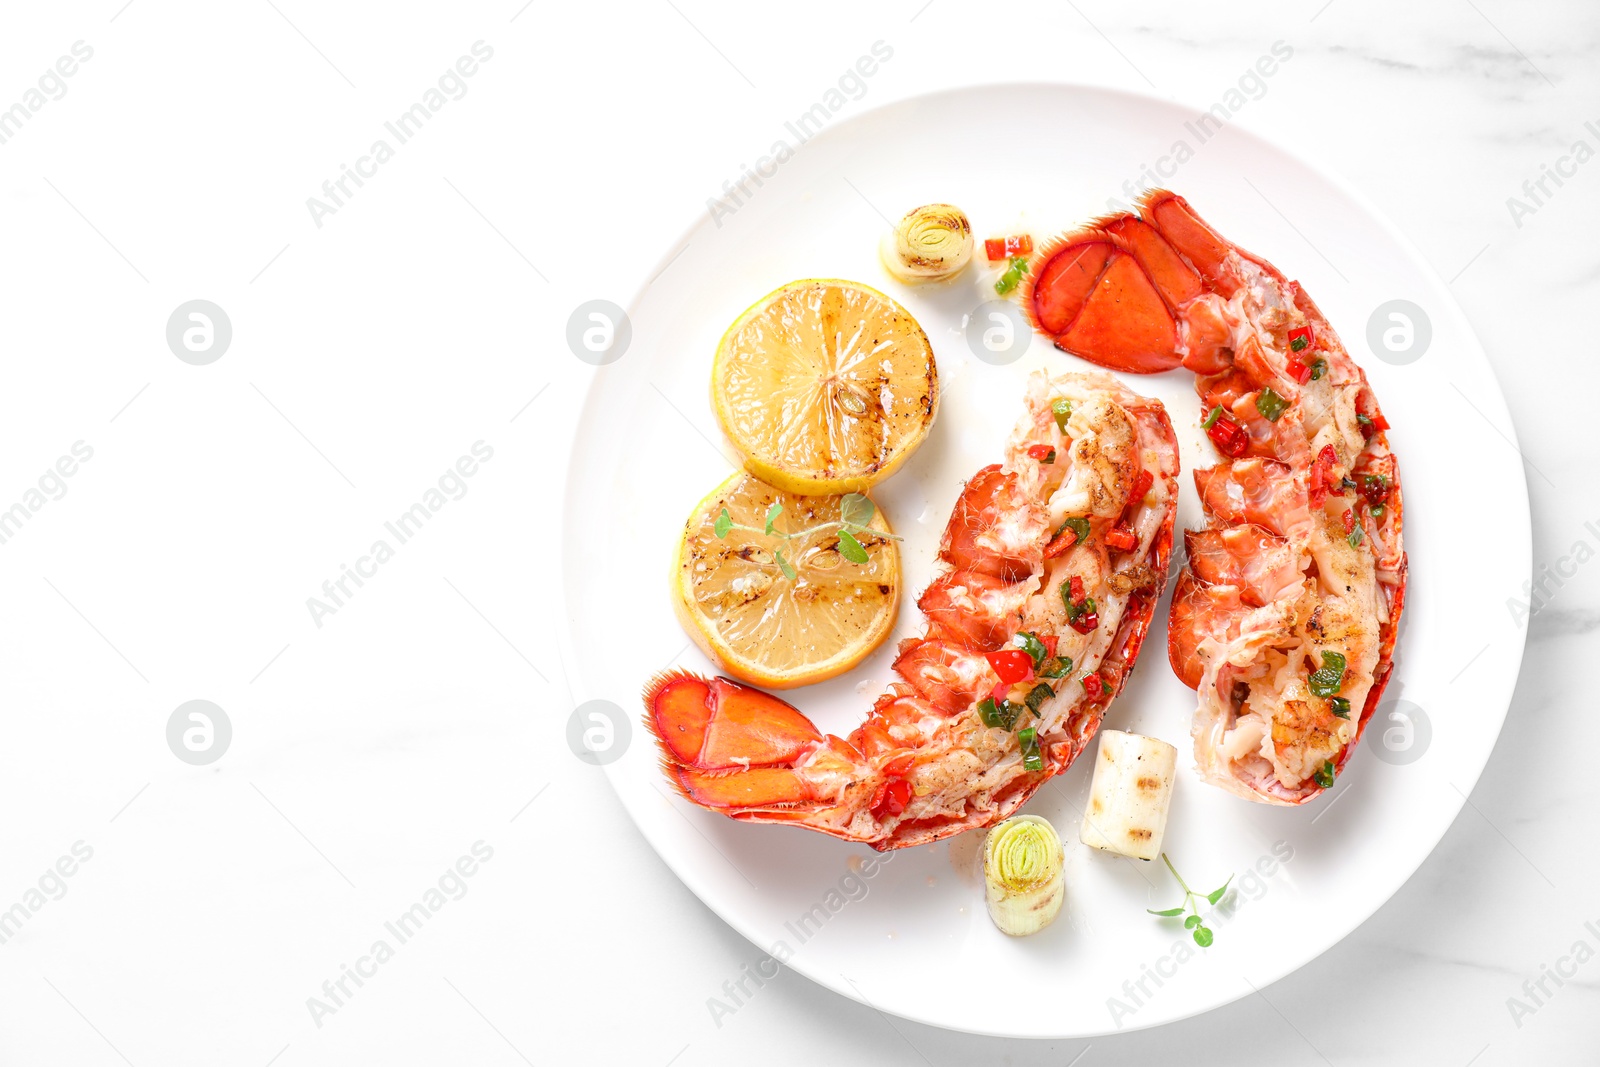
[[913, 938]]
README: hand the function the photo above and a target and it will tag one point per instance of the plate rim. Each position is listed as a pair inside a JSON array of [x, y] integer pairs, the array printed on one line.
[[822, 976]]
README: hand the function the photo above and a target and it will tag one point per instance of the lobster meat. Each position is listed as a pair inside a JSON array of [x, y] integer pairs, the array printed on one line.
[[1047, 577], [1285, 616]]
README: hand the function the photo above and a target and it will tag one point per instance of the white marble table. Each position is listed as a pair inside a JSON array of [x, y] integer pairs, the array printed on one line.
[[414, 721]]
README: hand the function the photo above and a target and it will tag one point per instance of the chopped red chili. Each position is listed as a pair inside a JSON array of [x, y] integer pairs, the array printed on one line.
[[1349, 520], [998, 248], [1322, 475], [1042, 453], [1093, 686], [1301, 338], [1141, 486], [1121, 538], [1012, 665], [1229, 437], [892, 798], [1060, 543]]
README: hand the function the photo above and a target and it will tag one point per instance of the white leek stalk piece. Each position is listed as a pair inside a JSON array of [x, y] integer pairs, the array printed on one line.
[[1130, 795], [930, 244], [1023, 875]]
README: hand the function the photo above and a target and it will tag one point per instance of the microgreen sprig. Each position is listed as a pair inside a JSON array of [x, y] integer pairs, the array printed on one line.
[[855, 519], [1202, 932]]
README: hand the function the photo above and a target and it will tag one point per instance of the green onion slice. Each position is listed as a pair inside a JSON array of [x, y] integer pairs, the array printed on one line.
[[1270, 404], [1029, 740], [1061, 408], [1325, 774], [1211, 419], [1032, 646], [1055, 667]]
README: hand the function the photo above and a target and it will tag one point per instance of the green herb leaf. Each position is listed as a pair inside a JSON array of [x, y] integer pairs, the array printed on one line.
[[1326, 681], [1169, 913], [1271, 405], [1216, 894], [850, 548], [723, 524], [1061, 408], [772, 514], [1202, 936], [783, 565], [1191, 922], [856, 510]]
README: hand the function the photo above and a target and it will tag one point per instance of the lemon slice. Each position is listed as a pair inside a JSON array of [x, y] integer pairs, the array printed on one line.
[[782, 611], [825, 386]]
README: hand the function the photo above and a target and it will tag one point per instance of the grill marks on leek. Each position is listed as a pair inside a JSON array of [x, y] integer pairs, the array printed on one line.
[[931, 244]]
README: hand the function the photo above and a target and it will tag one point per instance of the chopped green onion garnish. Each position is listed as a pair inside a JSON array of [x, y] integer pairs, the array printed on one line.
[[1341, 706], [1355, 537], [1299, 344], [1079, 527], [988, 712], [1051, 458], [1076, 611], [1055, 667], [1061, 408], [1211, 419], [1029, 740], [1377, 511], [1032, 646], [1324, 775], [1008, 281], [1038, 695], [1318, 369], [1365, 422], [1010, 711], [1270, 405]]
